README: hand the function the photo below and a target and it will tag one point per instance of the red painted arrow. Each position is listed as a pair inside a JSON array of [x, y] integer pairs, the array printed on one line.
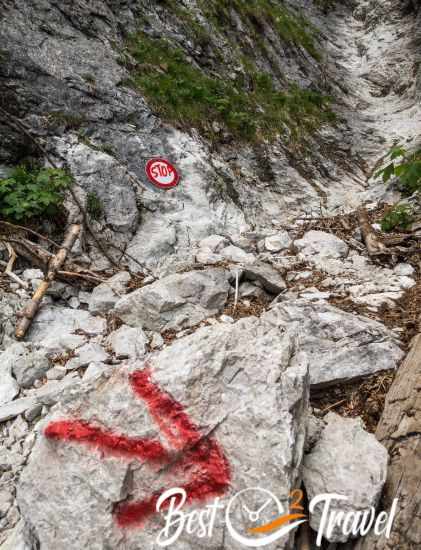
[[201, 457]]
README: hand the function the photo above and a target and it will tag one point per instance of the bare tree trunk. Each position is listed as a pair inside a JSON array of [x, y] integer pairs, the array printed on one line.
[[400, 432], [54, 265]]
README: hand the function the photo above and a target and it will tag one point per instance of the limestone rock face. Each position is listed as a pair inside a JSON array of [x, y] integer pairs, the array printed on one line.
[[347, 461], [352, 273], [128, 342], [341, 346], [279, 241], [10, 304], [270, 279], [28, 363], [323, 245], [177, 301], [102, 175], [9, 388], [243, 382], [106, 295], [56, 328]]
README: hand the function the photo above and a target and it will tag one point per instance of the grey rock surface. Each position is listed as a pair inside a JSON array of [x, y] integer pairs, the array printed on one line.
[[16, 539], [248, 290], [47, 394], [89, 353], [106, 295], [270, 279], [177, 301], [63, 74], [128, 342], [27, 362], [30, 274], [353, 276], [315, 427], [279, 241], [347, 461], [341, 346], [101, 174], [16, 407], [9, 388], [322, 245], [207, 257], [10, 305], [213, 374], [214, 242], [235, 254], [56, 327]]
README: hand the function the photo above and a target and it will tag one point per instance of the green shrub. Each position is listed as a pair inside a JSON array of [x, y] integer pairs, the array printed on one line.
[[94, 206], [31, 193], [400, 217], [183, 94], [406, 166]]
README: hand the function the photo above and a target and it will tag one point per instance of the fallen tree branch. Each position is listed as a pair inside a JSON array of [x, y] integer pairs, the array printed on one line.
[[31, 231], [35, 253], [374, 246], [9, 267], [54, 265], [29, 250], [79, 275]]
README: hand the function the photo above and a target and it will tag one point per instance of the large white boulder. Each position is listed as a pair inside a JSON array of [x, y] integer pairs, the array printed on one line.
[[347, 461], [341, 346], [321, 244], [245, 384], [176, 301]]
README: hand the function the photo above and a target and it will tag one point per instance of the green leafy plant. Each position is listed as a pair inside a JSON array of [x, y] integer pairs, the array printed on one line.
[[404, 165], [182, 93], [400, 217], [94, 206], [27, 193]]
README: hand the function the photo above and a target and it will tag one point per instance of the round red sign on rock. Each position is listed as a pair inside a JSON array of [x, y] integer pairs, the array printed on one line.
[[162, 173]]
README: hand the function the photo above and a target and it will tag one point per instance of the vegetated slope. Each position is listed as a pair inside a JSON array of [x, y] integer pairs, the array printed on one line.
[[241, 96], [269, 110]]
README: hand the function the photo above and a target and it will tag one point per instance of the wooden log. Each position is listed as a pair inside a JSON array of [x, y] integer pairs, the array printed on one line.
[[54, 265], [374, 246], [400, 432]]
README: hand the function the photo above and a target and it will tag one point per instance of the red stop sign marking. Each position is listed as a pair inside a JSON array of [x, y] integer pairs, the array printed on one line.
[[162, 173]]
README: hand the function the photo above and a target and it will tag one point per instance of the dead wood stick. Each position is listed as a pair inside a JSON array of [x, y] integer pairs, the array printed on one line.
[[35, 253], [29, 250], [374, 246], [9, 268], [31, 231], [77, 275], [88, 277], [54, 265]]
